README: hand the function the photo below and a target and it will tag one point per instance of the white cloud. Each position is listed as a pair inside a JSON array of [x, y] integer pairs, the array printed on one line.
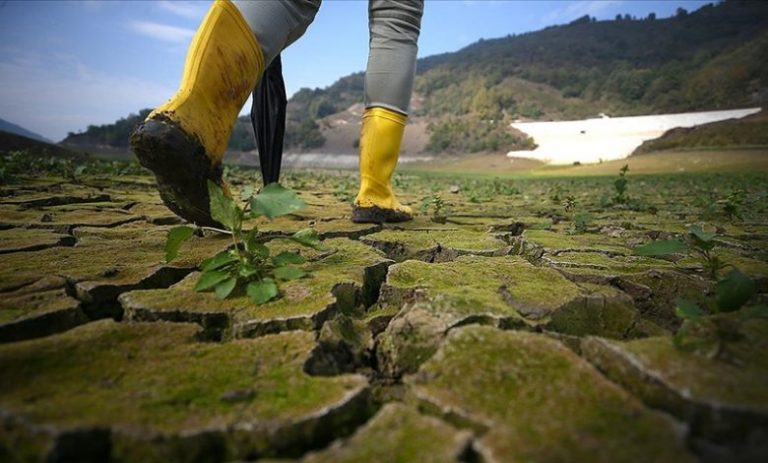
[[162, 32], [55, 94], [577, 9], [188, 10]]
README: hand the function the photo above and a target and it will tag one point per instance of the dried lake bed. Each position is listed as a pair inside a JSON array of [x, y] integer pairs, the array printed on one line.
[[517, 323]]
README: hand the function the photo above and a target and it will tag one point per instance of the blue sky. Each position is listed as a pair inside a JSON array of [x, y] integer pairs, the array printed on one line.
[[67, 64]]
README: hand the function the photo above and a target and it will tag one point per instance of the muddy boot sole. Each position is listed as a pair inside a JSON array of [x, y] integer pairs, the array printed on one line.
[[181, 168], [378, 215]]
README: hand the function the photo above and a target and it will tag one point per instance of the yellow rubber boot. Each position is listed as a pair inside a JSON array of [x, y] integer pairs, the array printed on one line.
[[183, 141], [380, 139]]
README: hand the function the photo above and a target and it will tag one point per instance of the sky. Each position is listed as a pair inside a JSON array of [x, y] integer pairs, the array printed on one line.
[[67, 64]]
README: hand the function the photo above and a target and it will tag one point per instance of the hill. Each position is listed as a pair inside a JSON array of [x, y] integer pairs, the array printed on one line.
[[113, 138], [712, 58], [748, 132], [11, 142], [10, 127]]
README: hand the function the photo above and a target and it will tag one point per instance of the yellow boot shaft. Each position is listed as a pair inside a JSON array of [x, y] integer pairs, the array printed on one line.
[[380, 138], [223, 65]]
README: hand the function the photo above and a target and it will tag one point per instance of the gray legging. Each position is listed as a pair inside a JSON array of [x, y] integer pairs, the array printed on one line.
[[394, 32]]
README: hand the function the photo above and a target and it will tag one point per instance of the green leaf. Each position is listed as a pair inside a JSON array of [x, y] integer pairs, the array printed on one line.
[[248, 270], [582, 219], [219, 260], [225, 288], [699, 233], [176, 236], [307, 237], [285, 258], [275, 200], [251, 238], [734, 291], [260, 250], [289, 272], [262, 291], [223, 209], [253, 246], [247, 192], [661, 248], [210, 279], [687, 310]]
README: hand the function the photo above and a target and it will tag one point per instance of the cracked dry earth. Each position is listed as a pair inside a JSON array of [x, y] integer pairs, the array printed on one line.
[[497, 336]]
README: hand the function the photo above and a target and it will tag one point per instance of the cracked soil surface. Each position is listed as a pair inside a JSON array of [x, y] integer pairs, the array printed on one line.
[[502, 333]]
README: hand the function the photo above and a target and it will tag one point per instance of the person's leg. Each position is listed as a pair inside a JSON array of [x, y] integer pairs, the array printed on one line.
[[183, 140], [394, 32], [277, 24]]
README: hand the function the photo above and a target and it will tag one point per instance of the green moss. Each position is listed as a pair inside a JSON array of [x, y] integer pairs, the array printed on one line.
[[554, 241], [405, 244], [472, 285], [398, 434], [16, 239], [302, 300], [411, 338], [380, 311], [110, 258], [736, 384], [523, 386], [753, 267], [601, 264], [47, 295], [57, 217], [148, 378]]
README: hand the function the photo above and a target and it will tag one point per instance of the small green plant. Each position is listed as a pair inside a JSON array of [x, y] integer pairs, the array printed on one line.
[[698, 244], [579, 220], [621, 186], [581, 223], [345, 189], [710, 330], [400, 181], [729, 208], [569, 204], [475, 198], [439, 208], [732, 204], [556, 194], [249, 263], [505, 188], [703, 243]]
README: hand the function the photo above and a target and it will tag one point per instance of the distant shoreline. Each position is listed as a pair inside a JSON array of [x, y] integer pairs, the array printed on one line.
[[606, 139]]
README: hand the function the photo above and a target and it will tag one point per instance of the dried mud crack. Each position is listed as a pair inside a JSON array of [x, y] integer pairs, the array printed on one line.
[[467, 340]]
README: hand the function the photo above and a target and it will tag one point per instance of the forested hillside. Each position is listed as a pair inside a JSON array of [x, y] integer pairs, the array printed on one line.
[[116, 135], [713, 58]]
